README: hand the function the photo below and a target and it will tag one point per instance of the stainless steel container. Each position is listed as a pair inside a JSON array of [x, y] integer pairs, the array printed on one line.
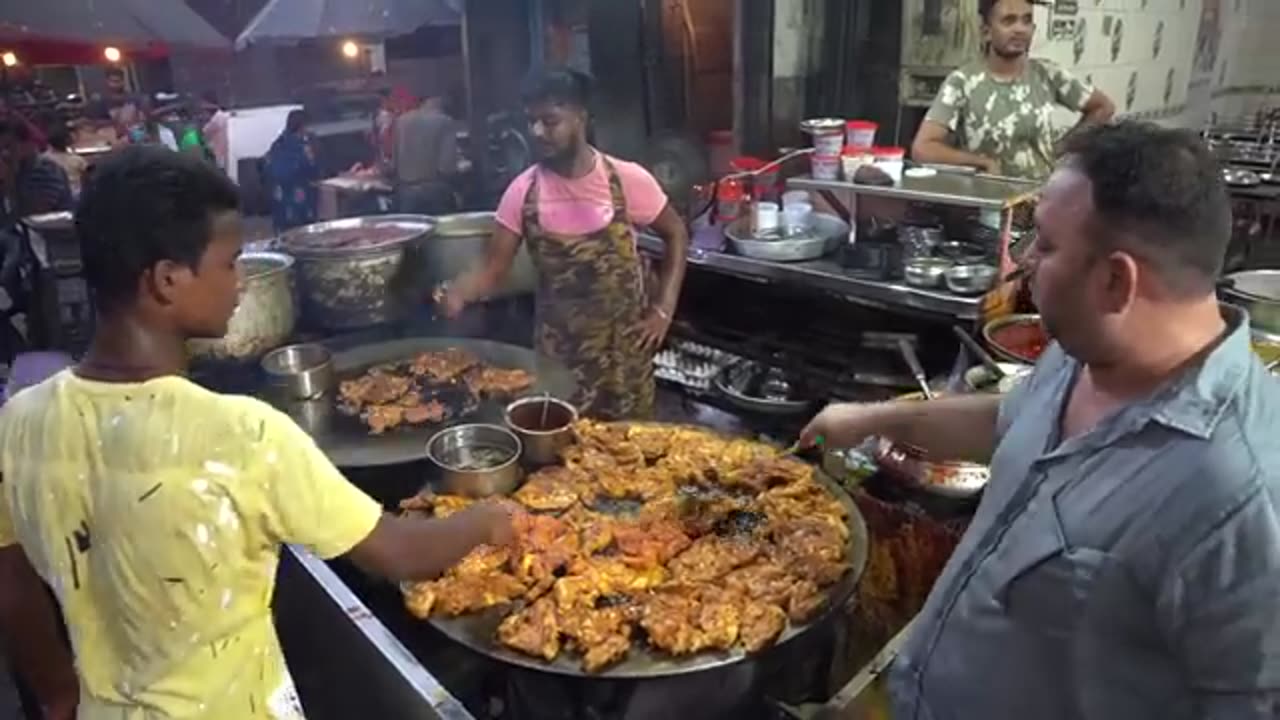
[[1258, 292], [361, 271], [969, 279], [299, 372], [266, 312], [826, 234], [925, 272], [455, 449], [544, 426], [459, 244]]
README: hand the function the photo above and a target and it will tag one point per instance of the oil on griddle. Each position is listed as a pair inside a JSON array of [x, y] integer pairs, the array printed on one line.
[[430, 387], [670, 538]]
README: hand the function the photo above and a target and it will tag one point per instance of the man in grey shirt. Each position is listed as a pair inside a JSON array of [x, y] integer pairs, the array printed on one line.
[[1124, 561], [425, 159]]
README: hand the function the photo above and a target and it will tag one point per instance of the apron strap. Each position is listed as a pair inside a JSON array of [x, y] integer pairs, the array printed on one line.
[[616, 192], [529, 222]]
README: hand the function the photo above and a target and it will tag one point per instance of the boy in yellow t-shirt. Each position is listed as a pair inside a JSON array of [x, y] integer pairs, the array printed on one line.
[[156, 509]]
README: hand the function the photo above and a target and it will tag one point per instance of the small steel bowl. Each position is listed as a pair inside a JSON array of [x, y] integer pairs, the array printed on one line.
[[299, 372], [969, 279], [452, 449], [925, 272], [961, 253], [542, 441]]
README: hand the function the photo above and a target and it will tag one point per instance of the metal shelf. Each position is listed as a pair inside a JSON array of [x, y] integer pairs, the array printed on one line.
[[944, 188]]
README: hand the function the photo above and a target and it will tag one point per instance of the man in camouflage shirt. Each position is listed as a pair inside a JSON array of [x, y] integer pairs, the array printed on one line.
[[996, 114]]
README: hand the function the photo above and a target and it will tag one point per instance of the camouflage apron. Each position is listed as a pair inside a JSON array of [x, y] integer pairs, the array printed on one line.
[[590, 303]]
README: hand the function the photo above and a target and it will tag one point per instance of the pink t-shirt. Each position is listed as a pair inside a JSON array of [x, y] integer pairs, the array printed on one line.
[[583, 205]]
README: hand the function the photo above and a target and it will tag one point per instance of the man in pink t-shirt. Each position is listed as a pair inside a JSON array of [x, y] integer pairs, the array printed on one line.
[[576, 211]]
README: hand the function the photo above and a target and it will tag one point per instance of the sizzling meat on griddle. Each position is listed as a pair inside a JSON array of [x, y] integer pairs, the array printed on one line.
[[701, 542]]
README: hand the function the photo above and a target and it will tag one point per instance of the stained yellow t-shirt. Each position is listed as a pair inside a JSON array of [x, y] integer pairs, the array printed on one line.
[[157, 511]]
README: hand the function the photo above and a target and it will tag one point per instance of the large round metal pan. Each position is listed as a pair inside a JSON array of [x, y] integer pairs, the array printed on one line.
[[349, 444], [479, 631]]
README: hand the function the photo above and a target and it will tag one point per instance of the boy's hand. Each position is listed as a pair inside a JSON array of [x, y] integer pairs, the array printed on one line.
[[494, 519]]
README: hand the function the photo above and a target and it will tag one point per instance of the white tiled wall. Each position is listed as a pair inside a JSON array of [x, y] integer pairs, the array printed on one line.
[[1116, 47]]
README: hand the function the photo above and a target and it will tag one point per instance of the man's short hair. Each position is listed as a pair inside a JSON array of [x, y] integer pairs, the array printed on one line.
[[145, 204], [985, 7], [1162, 188], [560, 86]]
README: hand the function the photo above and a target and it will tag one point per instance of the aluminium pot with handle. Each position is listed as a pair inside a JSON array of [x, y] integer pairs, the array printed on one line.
[[459, 245], [360, 271], [1258, 292], [266, 310]]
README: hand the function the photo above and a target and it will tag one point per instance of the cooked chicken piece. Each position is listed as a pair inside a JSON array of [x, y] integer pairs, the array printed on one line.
[[804, 500], [381, 418], [549, 489], [809, 537], [482, 561], [614, 576], [461, 594], [545, 544], [609, 651], [377, 387], [443, 366], [762, 623], [422, 413], [711, 557], [654, 441], [766, 581], [498, 382], [805, 601], [534, 631], [685, 619], [631, 482], [440, 506], [650, 544], [595, 530], [763, 473], [420, 599]]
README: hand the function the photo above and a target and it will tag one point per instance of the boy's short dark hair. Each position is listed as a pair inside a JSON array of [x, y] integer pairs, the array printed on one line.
[[142, 205], [986, 6]]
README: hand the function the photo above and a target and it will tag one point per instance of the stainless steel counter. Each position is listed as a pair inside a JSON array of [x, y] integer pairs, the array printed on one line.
[[345, 662], [944, 188], [828, 275]]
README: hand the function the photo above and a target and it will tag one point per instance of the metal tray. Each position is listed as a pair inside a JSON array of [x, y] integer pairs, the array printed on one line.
[[728, 380], [826, 235], [478, 631], [348, 443]]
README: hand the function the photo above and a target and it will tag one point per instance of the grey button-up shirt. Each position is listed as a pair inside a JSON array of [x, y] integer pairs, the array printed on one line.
[[1132, 572]]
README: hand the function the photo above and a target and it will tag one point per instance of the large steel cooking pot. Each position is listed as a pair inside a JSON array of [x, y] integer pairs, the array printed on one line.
[[459, 244], [265, 314], [1258, 292], [360, 271]]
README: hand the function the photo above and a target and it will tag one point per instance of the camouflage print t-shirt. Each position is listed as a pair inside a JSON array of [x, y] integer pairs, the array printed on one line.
[[1009, 120]]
